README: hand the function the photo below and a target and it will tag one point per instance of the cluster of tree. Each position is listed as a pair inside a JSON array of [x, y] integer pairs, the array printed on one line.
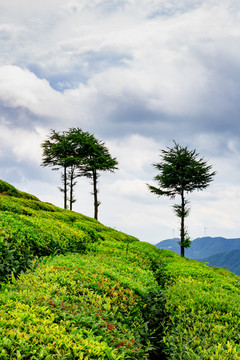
[[77, 153], [181, 171]]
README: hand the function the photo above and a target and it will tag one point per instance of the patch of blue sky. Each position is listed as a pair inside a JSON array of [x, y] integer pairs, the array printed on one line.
[[101, 60], [59, 79], [176, 8], [85, 65], [110, 6]]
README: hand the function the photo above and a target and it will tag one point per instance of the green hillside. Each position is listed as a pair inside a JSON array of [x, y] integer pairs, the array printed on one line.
[[72, 288]]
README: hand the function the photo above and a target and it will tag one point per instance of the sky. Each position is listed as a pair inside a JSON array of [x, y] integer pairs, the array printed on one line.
[[138, 74]]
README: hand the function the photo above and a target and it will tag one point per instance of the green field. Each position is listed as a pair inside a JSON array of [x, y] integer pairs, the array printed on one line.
[[72, 288]]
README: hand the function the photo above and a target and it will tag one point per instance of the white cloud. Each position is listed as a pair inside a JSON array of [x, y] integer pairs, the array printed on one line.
[[138, 74], [23, 144], [162, 54], [162, 62], [134, 188], [134, 153], [9, 30], [20, 88]]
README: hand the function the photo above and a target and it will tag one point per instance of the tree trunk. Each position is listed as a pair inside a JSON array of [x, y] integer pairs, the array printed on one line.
[[95, 192], [182, 229], [65, 187], [71, 190]]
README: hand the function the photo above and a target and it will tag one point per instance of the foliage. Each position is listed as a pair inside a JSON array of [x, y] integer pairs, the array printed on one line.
[[69, 307], [180, 172], [96, 158], [92, 305], [203, 309], [79, 153], [58, 154], [10, 190], [114, 298], [31, 229]]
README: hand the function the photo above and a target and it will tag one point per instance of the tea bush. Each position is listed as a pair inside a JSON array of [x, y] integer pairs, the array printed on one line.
[[31, 229], [92, 292], [95, 305], [10, 190], [78, 307], [203, 308]]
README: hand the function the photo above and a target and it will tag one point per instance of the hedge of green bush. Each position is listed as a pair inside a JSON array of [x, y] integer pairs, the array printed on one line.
[[97, 305], [91, 292], [204, 311], [10, 190], [30, 229]]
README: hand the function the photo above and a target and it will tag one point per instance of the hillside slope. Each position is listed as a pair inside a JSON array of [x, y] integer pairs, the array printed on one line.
[[91, 292], [203, 308], [88, 290]]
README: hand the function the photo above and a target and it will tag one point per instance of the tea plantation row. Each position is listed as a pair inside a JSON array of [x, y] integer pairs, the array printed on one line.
[[72, 288]]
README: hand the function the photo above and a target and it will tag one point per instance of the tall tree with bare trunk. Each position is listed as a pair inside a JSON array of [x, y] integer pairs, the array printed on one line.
[[181, 171]]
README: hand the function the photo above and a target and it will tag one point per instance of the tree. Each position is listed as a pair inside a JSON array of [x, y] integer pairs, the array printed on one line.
[[66, 149], [71, 178], [90, 157], [77, 143], [180, 173], [57, 153], [97, 158], [79, 153]]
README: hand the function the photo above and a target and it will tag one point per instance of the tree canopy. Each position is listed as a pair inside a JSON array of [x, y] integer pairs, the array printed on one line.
[[58, 154], [181, 171], [79, 153], [97, 158]]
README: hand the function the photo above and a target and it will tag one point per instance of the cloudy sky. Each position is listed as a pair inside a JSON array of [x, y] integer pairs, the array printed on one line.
[[138, 74]]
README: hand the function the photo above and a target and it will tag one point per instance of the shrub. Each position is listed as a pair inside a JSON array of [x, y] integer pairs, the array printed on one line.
[[72, 307], [10, 190], [203, 308]]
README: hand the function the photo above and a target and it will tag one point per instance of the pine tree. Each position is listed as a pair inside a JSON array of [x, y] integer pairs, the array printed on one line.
[[180, 173]]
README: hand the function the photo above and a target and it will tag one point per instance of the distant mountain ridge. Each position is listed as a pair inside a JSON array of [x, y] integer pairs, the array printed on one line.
[[217, 251], [229, 260]]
